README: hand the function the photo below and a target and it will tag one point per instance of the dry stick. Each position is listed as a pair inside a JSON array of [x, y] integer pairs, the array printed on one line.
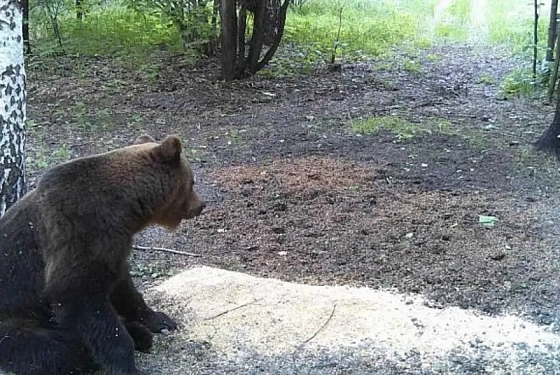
[[151, 248], [333, 56], [318, 331], [235, 308], [535, 38], [313, 336]]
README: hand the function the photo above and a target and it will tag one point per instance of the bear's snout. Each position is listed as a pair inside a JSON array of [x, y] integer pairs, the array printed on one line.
[[198, 210]]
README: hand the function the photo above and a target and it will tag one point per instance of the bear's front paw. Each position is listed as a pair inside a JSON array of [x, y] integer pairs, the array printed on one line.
[[157, 321], [141, 336]]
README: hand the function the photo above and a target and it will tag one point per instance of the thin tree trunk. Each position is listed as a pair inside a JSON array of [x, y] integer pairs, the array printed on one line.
[[271, 23], [12, 105], [214, 22], [281, 24], [242, 28], [552, 30], [215, 10], [79, 10], [25, 25], [228, 16], [554, 73], [257, 39], [535, 38]]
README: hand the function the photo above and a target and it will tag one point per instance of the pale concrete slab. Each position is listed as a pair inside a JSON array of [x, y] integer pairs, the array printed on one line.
[[233, 323]]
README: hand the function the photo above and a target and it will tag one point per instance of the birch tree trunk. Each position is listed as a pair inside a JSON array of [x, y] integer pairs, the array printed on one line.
[[12, 105]]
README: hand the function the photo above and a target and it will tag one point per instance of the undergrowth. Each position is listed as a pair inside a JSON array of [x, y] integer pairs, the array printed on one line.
[[360, 29], [366, 27], [113, 31]]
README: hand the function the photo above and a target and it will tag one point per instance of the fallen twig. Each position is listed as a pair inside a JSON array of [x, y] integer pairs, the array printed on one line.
[[312, 337], [151, 248], [178, 108], [318, 331], [233, 309]]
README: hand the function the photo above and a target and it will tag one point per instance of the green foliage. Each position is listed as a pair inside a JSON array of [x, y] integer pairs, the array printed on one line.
[[366, 27], [450, 32], [486, 79], [134, 29], [433, 58], [92, 121], [113, 31], [520, 82], [452, 22], [461, 9], [120, 30], [411, 66], [511, 23], [191, 18], [41, 158]]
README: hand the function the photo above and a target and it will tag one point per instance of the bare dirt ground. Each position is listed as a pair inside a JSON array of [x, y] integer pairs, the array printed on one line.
[[295, 194]]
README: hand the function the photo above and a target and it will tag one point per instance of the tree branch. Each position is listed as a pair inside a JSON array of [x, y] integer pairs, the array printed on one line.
[[235, 308], [151, 248]]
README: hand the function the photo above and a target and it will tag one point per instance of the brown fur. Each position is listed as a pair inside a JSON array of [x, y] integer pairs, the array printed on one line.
[[65, 272]]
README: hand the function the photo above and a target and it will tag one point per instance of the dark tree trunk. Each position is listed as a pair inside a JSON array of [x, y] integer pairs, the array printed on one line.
[[242, 29], [552, 30], [549, 142], [213, 45], [282, 13], [79, 10], [257, 40], [25, 26], [228, 15], [235, 63], [272, 21]]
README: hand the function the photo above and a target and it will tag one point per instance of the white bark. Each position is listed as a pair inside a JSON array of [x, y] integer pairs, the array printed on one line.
[[12, 105]]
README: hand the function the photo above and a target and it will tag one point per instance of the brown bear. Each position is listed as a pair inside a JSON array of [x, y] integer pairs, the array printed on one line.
[[67, 301]]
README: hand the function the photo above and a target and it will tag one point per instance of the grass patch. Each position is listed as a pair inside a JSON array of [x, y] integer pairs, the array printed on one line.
[[477, 138], [411, 66], [537, 166], [451, 21], [520, 82], [486, 79], [402, 128], [511, 23]]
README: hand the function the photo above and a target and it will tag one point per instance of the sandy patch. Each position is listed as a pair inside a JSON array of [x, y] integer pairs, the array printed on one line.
[[241, 316]]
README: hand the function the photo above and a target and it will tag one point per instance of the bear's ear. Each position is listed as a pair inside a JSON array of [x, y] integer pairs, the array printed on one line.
[[144, 139], [169, 149]]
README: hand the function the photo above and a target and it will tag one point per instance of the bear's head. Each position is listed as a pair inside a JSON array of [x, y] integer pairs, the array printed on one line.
[[182, 202]]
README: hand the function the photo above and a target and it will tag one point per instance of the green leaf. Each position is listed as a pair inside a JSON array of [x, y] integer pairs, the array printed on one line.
[[487, 221]]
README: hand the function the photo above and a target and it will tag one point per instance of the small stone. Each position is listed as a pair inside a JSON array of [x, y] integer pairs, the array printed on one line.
[[278, 230]]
